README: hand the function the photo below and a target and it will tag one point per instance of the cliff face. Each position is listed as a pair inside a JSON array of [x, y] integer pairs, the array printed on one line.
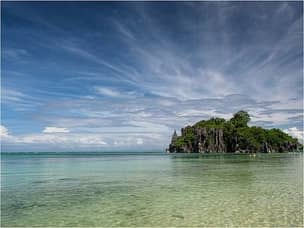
[[234, 136], [204, 141], [209, 140]]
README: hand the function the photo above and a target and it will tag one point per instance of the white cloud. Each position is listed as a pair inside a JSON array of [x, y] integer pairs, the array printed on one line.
[[78, 140], [295, 132], [74, 141], [139, 141], [55, 130], [58, 140], [3, 131], [276, 118], [128, 141], [107, 92], [115, 93], [203, 113], [18, 100]]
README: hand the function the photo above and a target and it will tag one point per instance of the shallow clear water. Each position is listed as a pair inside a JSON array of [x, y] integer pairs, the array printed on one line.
[[151, 190]]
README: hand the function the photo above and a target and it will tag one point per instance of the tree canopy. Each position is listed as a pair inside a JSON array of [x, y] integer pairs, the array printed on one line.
[[240, 119], [237, 135]]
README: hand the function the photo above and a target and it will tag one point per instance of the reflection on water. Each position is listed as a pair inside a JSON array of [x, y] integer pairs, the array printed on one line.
[[152, 190]]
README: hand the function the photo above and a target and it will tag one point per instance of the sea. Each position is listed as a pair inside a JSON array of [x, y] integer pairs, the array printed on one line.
[[151, 189]]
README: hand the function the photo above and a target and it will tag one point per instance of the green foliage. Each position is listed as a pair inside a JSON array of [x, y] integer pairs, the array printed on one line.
[[236, 133], [277, 137], [212, 123], [188, 135], [247, 139], [259, 133], [229, 128], [179, 142], [240, 119]]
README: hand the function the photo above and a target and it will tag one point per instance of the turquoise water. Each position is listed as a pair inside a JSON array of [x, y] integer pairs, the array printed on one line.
[[151, 190]]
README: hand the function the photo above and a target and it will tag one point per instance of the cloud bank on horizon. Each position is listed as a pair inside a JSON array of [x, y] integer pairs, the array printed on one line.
[[124, 75]]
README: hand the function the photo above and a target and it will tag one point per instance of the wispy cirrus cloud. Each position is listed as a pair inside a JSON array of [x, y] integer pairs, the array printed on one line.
[[56, 130], [116, 93], [108, 92], [129, 76], [18, 100]]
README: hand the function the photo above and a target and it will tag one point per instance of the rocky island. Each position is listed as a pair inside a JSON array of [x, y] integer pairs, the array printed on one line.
[[217, 135]]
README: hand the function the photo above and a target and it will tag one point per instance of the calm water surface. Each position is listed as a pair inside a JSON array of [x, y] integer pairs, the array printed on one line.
[[151, 190]]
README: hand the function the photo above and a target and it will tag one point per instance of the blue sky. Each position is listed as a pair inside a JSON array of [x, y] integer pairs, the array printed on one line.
[[123, 75]]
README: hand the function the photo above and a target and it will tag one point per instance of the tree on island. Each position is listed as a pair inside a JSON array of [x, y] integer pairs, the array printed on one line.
[[240, 119], [221, 136]]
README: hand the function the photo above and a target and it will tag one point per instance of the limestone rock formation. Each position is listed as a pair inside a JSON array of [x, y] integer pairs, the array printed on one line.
[[234, 136]]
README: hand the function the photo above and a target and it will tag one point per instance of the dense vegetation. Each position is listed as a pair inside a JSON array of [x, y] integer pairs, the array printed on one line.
[[232, 136]]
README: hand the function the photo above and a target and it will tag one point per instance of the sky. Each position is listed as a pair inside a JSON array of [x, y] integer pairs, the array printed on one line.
[[121, 76]]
